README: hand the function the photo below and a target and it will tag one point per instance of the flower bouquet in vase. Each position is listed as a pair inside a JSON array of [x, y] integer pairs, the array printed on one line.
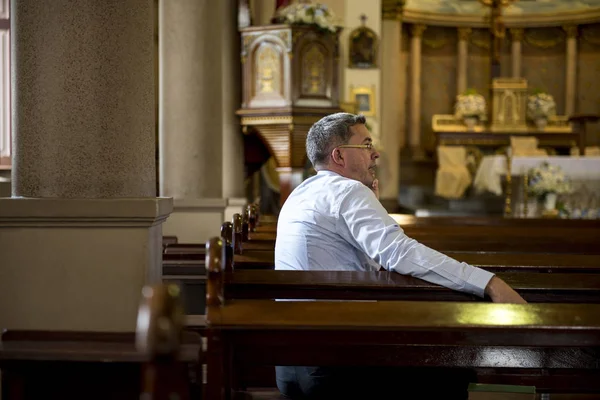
[[470, 107], [546, 182], [303, 12], [540, 107]]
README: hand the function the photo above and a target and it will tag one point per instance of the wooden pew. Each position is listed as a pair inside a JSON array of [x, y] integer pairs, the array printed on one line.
[[97, 365], [350, 285], [554, 347]]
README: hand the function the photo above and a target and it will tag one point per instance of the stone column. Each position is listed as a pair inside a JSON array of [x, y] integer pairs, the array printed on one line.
[[200, 139], [463, 53], [517, 40], [82, 233], [392, 107], [233, 145], [571, 70], [415, 90]]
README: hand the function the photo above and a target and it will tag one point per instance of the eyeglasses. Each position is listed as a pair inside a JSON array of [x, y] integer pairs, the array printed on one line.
[[368, 146]]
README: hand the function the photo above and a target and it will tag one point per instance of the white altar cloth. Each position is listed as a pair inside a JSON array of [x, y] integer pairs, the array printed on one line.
[[492, 168]]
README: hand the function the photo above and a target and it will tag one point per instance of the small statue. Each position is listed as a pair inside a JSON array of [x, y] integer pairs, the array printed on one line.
[[363, 46]]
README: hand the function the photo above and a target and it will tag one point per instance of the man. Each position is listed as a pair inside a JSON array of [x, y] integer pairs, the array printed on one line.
[[334, 221]]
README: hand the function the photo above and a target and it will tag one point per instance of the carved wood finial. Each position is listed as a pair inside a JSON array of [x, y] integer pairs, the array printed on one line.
[[237, 233], [159, 321], [245, 224], [252, 217], [214, 271], [227, 236]]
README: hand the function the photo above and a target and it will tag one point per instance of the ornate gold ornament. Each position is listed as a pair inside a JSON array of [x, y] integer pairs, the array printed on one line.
[[480, 39], [313, 71], [544, 38], [435, 38]]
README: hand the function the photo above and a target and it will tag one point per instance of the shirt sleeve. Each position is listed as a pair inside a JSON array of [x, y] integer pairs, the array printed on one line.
[[366, 224]]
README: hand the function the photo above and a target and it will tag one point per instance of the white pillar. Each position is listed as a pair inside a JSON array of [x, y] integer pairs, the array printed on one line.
[[463, 52], [415, 90], [517, 39], [201, 149], [571, 69], [233, 146], [392, 108]]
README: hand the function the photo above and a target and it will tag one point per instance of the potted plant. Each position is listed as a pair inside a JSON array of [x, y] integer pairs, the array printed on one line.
[[306, 13], [470, 107], [540, 106], [546, 182]]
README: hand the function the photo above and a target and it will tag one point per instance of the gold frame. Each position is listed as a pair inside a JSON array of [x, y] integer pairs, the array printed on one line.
[[362, 90]]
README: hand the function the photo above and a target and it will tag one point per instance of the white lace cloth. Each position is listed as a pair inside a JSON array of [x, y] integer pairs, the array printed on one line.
[[492, 168]]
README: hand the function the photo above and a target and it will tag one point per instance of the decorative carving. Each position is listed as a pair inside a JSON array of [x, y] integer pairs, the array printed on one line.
[[392, 9], [509, 103], [591, 34], [268, 69], [416, 30], [464, 33], [313, 70], [435, 38], [571, 31], [286, 37], [544, 38], [363, 46], [481, 39], [517, 34]]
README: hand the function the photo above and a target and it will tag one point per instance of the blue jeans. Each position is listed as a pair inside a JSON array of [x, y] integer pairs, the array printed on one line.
[[376, 383]]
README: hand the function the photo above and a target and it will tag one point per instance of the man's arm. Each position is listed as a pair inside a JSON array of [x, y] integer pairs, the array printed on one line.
[[500, 292], [368, 227]]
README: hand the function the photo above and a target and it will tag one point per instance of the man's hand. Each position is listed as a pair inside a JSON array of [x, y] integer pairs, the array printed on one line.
[[375, 188], [500, 292]]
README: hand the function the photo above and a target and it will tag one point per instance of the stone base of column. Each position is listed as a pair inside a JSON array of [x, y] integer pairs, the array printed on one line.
[[197, 220], [78, 264]]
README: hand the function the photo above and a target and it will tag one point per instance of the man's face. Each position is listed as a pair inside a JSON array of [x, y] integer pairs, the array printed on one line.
[[360, 162]]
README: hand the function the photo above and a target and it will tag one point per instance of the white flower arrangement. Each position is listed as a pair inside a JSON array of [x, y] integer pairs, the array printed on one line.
[[547, 179], [308, 14], [540, 105], [470, 104]]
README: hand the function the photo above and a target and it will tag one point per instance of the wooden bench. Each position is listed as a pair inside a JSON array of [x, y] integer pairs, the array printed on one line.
[[102, 365], [554, 347]]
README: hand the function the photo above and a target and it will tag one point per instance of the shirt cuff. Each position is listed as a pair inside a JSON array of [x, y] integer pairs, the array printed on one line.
[[478, 281]]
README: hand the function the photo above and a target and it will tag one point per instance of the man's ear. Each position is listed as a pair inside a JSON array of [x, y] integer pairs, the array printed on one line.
[[336, 156]]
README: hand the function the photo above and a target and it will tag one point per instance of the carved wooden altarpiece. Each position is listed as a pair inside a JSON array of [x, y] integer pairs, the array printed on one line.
[[290, 81]]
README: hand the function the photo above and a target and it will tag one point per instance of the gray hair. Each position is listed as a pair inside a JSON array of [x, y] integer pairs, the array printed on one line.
[[329, 132]]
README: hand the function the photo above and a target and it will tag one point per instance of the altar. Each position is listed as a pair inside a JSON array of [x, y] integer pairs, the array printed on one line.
[[583, 173], [513, 113]]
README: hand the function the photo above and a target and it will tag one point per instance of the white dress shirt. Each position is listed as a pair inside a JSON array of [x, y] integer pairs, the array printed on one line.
[[334, 223]]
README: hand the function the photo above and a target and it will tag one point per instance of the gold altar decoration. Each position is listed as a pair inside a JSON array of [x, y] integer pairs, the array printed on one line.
[[289, 81], [480, 38], [509, 104], [435, 37], [544, 38]]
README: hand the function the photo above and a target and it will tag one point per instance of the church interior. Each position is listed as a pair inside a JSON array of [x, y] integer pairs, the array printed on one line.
[[147, 147]]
